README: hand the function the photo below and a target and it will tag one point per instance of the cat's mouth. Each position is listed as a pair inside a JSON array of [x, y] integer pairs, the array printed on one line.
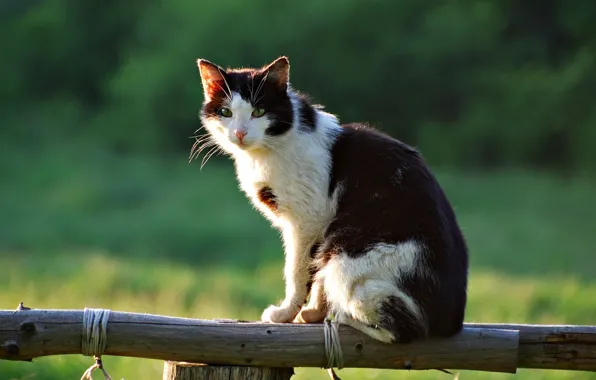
[[243, 143], [250, 146], [240, 143]]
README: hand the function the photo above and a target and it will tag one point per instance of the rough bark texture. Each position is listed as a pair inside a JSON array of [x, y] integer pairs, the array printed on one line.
[[553, 347], [190, 371], [27, 334]]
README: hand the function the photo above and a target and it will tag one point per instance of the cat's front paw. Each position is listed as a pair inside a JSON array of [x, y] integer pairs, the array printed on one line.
[[280, 314]]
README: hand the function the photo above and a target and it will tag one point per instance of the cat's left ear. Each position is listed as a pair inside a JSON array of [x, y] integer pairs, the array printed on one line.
[[278, 72]]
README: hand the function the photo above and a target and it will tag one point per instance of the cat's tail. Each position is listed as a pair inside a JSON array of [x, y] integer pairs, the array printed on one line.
[[396, 322], [388, 333]]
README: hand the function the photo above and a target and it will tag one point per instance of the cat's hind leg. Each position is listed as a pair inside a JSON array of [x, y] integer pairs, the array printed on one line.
[[317, 308], [365, 291]]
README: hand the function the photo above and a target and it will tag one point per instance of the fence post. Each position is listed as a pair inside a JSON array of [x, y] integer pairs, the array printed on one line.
[[191, 371]]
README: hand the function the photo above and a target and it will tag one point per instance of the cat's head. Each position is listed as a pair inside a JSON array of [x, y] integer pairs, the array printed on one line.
[[246, 109]]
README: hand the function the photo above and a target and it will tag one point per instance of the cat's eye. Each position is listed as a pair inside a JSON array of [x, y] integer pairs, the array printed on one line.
[[258, 112], [225, 112]]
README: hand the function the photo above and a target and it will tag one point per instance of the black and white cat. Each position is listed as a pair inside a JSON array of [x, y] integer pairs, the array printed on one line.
[[367, 230]]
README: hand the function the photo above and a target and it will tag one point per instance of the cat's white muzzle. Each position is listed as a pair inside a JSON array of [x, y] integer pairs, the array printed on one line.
[[242, 138]]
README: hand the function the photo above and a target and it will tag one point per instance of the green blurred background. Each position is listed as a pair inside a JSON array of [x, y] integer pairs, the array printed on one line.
[[99, 206]]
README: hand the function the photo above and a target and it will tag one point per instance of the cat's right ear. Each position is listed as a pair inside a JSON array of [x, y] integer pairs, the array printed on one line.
[[212, 76]]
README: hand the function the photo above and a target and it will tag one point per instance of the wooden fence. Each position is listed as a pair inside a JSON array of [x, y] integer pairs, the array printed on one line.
[[254, 350]]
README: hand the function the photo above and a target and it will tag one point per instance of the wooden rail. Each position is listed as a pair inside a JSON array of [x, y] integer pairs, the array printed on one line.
[[28, 334]]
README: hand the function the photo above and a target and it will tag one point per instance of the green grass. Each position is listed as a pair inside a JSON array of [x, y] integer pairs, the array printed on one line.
[[155, 235]]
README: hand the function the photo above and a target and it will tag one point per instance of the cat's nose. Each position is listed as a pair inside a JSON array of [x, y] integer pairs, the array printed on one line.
[[240, 134]]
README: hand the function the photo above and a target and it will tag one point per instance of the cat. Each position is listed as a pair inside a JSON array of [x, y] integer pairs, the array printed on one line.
[[367, 229]]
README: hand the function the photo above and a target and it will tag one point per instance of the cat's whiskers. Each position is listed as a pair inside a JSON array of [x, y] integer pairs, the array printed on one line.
[[201, 144], [205, 146], [193, 155], [204, 137], [206, 157], [228, 87], [210, 153], [252, 87], [201, 137], [192, 150], [228, 94], [260, 87]]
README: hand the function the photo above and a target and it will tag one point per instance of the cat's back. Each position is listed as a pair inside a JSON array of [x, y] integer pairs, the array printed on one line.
[[391, 190], [370, 159]]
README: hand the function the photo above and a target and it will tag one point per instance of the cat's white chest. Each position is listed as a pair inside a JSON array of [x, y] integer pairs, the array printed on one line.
[[287, 191]]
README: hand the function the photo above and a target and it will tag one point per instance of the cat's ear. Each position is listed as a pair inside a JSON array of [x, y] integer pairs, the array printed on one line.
[[278, 72], [212, 76]]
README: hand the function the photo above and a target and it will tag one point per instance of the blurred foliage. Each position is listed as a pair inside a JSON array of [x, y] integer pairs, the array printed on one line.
[[473, 83]]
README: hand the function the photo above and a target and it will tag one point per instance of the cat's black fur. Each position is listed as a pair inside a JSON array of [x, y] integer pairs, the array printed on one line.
[[390, 196]]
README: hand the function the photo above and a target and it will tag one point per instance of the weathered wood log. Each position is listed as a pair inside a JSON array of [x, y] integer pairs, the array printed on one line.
[[33, 333], [553, 347], [190, 371], [29, 334]]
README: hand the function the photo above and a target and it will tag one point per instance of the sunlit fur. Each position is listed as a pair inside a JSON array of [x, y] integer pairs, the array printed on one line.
[[293, 170]]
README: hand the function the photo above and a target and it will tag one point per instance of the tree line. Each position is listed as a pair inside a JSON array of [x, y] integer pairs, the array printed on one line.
[[475, 83]]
